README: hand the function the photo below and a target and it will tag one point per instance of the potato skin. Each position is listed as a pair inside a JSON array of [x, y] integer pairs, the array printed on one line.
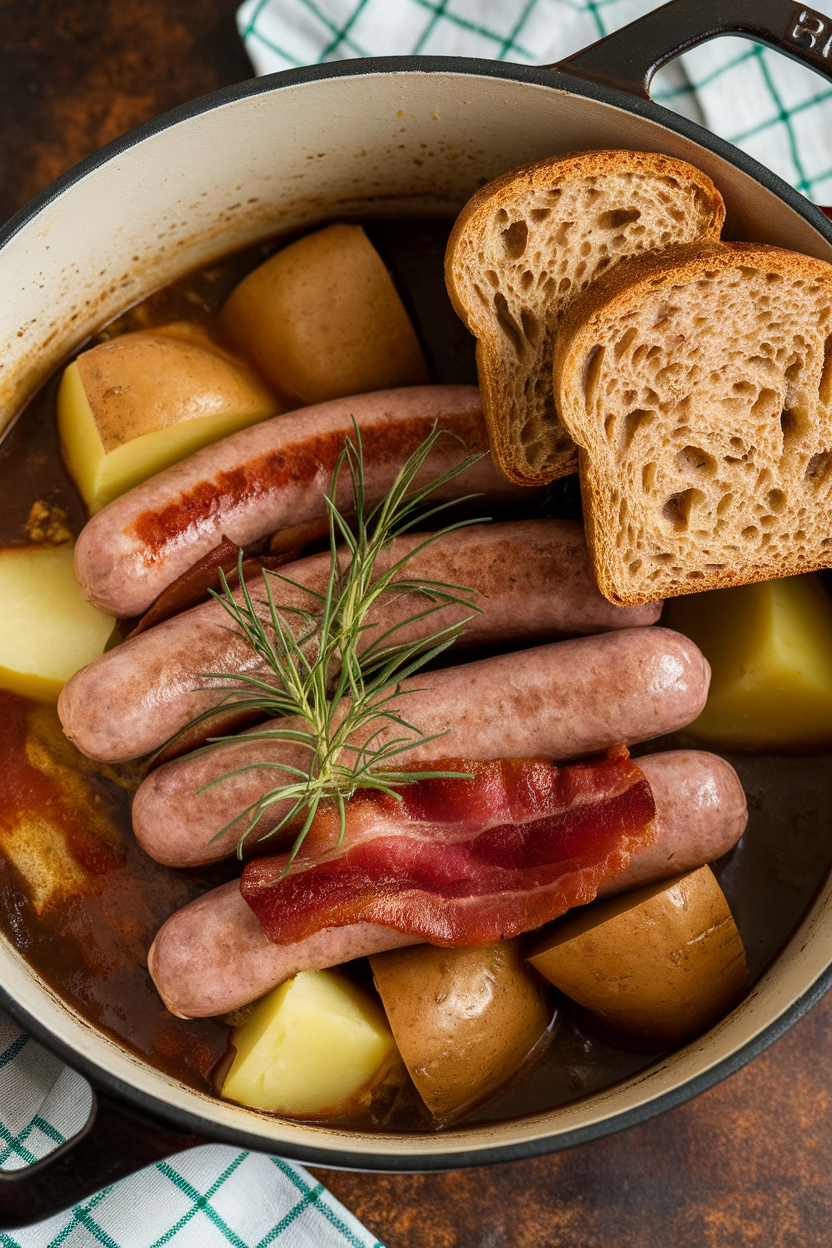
[[133, 406], [465, 1020], [149, 380], [322, 319], [656, 966]]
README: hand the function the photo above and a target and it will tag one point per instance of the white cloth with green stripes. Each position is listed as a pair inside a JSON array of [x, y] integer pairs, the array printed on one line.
[[210, 1197], [775, 110]]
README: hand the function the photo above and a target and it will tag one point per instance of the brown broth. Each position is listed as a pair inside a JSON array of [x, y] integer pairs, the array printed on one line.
[[89, 939], [79, 897]]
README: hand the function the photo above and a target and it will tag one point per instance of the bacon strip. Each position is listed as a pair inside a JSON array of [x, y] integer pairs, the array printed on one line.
[[193, 586], [461, 862]]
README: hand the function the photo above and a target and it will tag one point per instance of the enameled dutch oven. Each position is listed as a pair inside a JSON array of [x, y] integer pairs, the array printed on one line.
[[407, 137]]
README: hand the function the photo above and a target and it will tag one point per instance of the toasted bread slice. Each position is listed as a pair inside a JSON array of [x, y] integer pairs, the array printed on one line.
[[698, 386], [525, 245]]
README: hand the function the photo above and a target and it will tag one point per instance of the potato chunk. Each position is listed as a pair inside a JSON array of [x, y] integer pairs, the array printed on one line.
[[313, 1047], [770, 650], [134, 405], [322, 319], [465, 1020], [47, 628], [658, 965]]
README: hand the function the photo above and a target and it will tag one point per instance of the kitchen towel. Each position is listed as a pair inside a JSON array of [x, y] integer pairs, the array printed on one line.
[[209, 1197], [778, 112]]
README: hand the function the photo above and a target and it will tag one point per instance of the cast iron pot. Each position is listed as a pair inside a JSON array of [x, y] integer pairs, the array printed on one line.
[[407, 137]]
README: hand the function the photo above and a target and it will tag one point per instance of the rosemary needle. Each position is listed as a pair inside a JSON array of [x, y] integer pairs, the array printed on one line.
[[336, 685]]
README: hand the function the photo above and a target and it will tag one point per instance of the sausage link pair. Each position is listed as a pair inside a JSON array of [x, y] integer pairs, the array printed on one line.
[[532, 579], [212, 956], [272, 476], [556, 701]]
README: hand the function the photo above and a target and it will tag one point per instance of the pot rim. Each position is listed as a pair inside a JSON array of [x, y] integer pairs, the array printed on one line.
[[538, 75], [568, 84], [483, 1154]]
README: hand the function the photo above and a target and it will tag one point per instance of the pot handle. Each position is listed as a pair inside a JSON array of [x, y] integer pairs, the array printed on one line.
[[115, 1141], [628, 59]]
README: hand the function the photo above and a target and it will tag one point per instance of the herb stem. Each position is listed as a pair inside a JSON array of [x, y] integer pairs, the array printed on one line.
[[335, 684]]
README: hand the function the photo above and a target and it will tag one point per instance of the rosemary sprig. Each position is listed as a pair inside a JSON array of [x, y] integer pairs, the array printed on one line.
[[336, 683]]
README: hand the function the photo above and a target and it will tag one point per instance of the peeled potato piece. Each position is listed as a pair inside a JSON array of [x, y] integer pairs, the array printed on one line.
[[137, 404], [321, 319], [47, 628], [465, 1020], [313, 1047], [658, 965], [770, 650]]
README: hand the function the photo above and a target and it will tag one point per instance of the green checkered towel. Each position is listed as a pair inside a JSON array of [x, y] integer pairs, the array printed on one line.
[[771, 107], [775, 110], [210, 1197]]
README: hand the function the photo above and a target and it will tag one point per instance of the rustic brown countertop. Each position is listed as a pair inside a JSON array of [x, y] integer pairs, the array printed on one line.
[[748, 1163]]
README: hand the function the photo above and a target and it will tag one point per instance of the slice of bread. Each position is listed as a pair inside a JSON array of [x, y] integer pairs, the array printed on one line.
[[525, 245], [698, 386]]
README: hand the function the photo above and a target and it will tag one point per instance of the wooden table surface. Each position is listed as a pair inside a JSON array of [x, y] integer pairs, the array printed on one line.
[[748, 1163]]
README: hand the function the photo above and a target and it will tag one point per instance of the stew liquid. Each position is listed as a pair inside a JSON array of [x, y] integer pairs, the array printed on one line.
[[82, 901]]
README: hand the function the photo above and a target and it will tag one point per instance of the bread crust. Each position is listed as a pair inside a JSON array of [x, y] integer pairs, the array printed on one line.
[[470, 280], [632, 289]]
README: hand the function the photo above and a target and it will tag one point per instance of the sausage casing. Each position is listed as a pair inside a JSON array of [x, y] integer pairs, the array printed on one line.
[[533, 580], [557, 701], [271, 476], [212, 956]]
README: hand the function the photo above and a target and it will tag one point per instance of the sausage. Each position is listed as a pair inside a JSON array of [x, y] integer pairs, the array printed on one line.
[[701, 814], [212, 956], [219, 933], [556, 701], [533, 580], [270, 476]]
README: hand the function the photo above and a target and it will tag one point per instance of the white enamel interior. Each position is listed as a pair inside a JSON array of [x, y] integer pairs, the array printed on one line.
[[370, 144]]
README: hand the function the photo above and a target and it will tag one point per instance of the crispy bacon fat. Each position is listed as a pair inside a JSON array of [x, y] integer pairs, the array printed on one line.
[[459, 861]]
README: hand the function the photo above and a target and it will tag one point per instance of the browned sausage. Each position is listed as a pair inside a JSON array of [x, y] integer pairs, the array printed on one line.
[[533, 580], [557, 701], [213, 956], [269, 476]]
